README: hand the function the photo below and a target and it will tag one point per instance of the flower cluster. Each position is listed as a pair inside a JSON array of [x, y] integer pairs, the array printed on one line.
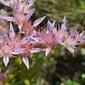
[[28, 40]]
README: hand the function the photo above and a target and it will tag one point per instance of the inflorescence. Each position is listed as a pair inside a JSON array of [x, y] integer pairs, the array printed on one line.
[[28, 40]]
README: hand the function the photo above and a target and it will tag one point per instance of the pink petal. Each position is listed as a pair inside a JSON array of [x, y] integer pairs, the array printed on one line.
[[6, 60], [31, 2], [58, 40], [6, 18], [18, 51], [81, 34], [71, 50], [38, 21], [34, 33], [73, 32], [25, 39], [29, 14], [35, 50], [12, 33], [4, 36], [51, 27], [36, 39], [26, 61], [21, 6], [82, 39], [63, 26], [20, 27], [4, 32], [47, 50]]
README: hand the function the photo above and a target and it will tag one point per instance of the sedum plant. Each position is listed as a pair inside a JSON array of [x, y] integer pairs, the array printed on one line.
[[33, 41], [28, 40]]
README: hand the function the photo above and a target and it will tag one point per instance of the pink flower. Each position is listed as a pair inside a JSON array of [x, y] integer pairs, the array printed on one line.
[[61, 32], [29, 50], [22, 13], [67, 39], [46, 39], [71, 40], [9, 45], [28, 27], [10, 3], [28, 40], [19, 17]]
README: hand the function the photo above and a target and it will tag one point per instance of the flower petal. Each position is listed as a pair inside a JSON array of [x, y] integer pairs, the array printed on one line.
[[26, 61], [12, 33], [38, 21], [29, 14], [71, 50], [4, 36], [47, 50], [25, 39], [36, 39], [35, 50], [31, 2], [6, 60], [20, 28], [51, 27], [63, 26], [6, 18], [58, 40], [73, 32], [18, 51]]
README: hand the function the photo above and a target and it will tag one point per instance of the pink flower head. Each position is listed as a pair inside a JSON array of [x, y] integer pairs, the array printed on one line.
[[9, 45], [10, 3], [71, 40], [28, 40], [46, 39], [22, 13], [28, 26], [29, 50], [20, 18], [61, 32]]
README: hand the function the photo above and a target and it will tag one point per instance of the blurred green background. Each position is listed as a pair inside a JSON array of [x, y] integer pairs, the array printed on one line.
[[74, 10], [60, 67]]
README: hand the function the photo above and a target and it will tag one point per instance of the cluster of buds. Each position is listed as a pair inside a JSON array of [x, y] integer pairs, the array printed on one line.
[[28, 40]]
